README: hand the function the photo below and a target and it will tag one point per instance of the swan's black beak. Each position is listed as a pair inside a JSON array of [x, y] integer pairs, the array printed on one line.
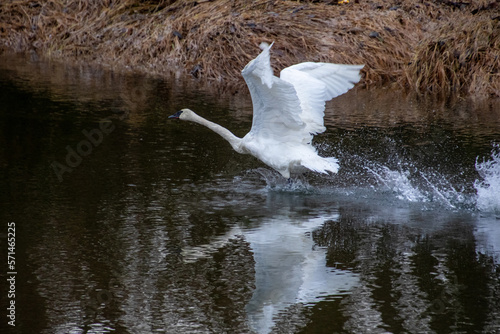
[[176, 115]]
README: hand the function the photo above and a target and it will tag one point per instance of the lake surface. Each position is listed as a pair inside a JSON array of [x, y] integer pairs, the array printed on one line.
[[127, 222]]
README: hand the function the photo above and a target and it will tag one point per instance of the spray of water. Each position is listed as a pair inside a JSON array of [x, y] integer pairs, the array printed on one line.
[[409, 183], [276, 182], [398, 182], [413, 185], [406, 181], [488, 188]]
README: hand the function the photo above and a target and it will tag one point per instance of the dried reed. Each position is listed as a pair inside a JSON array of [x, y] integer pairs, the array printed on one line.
[[463, 57], [436, 47]]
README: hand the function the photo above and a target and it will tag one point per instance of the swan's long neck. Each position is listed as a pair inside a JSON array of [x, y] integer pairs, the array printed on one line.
[[222, 131]]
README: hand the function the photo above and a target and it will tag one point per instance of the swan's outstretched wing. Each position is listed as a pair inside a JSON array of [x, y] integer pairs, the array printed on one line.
[[276, 106], [316, 83], [291, 108]]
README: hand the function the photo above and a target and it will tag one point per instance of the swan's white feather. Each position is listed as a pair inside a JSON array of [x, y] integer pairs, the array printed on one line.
[[276, 106], [289, 110], [316, 83]]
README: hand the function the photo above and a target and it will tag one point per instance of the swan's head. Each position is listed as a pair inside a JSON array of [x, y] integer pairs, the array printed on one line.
[[183, 114]]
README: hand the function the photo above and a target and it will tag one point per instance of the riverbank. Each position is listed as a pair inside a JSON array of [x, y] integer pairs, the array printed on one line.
[[439, 48]]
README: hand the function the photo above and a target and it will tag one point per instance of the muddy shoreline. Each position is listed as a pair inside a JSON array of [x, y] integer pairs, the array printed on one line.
[[438, 48]]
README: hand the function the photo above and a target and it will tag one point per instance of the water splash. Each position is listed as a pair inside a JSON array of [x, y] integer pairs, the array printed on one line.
[[488, 189], [276, 182], [398, 182], [405, 180], [409, 183]]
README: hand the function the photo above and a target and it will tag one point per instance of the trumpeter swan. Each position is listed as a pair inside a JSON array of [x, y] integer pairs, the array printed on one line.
[[287, 112]]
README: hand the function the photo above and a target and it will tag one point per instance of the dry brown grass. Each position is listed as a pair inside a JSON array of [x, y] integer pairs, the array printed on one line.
[[436, 47], [462, 57]]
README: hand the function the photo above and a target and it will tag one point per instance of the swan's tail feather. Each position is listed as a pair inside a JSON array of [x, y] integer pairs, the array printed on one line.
[[333, 164], [322, 165]]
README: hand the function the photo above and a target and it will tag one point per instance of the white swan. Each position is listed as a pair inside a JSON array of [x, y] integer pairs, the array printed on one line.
[[287, 112]]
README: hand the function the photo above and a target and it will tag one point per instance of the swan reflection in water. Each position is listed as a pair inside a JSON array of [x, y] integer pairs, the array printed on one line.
[[290, 269]]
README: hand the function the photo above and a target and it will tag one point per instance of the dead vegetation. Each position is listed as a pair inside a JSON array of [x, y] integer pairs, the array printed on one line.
[[463, 57], [432, 47]]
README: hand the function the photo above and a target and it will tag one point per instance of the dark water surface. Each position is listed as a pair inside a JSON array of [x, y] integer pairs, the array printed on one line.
[[126, 222]]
